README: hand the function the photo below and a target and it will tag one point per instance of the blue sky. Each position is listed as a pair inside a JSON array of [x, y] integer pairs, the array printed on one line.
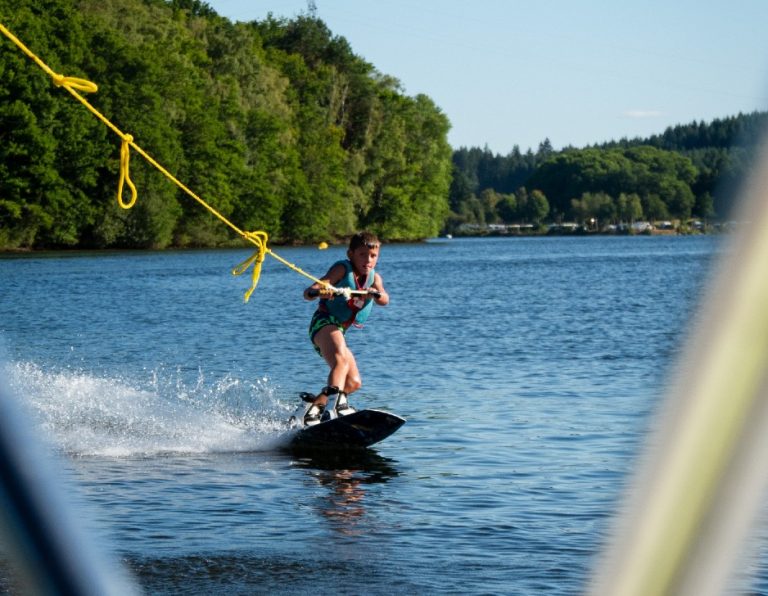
[[510, 73]]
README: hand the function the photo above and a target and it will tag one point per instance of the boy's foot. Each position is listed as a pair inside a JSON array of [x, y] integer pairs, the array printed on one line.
[[342, 405], [297, 418], [314, 414]]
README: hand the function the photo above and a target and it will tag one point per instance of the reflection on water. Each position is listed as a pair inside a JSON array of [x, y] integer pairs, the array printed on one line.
[[346, 476]]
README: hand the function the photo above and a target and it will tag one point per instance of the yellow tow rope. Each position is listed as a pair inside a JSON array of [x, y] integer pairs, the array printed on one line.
[[257, 238]]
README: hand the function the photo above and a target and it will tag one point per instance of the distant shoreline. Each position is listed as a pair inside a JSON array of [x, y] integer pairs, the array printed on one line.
[[56, 252]]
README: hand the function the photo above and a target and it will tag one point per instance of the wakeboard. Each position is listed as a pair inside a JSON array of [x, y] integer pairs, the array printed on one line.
[[357, 430]]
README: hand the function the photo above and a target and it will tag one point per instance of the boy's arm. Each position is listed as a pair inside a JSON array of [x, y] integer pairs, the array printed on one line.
[[378, 286], [333, 277]]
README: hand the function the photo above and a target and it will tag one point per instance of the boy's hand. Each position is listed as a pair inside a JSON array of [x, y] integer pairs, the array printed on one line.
[[323, 291]]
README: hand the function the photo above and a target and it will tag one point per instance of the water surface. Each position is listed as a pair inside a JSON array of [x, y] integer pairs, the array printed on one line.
[[527, 369]]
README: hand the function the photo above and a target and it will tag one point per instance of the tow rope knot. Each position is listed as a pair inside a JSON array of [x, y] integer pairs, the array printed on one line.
[[256, 259], [75, 83]]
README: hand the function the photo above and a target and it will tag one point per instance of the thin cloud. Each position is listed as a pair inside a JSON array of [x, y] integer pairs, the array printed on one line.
[[643, 114]]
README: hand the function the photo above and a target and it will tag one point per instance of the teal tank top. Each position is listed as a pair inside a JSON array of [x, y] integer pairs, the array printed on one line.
[[356, 309]]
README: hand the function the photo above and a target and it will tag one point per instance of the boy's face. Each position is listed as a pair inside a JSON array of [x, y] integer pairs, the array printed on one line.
[[364, 258]]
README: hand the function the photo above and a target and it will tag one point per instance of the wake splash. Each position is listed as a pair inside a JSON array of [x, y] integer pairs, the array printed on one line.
[[87, 415]]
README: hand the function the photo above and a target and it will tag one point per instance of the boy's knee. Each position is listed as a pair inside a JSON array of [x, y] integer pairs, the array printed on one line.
[[353, 384]]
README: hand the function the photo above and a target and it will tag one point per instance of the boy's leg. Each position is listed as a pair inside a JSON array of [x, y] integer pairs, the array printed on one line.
[[330, 342], [343, 368], [351, 384], [343, 377]]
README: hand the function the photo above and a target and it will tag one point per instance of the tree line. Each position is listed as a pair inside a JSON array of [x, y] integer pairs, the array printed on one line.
[[276, 123], [281, 127], [688, 170]]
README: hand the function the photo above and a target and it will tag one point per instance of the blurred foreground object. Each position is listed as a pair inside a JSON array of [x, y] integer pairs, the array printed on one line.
[[40, 532], [701, 479]]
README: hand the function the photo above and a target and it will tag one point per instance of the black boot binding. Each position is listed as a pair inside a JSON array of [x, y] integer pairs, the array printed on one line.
[[342, 405], [317, 413], [314, 414], [298, 416]]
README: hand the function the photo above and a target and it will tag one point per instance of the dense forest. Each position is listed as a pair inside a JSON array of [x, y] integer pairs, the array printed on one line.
[[691, 170], [281, 127], [277, 124]]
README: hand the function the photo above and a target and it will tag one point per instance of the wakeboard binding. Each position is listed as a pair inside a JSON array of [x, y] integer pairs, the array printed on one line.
[[309, 413]]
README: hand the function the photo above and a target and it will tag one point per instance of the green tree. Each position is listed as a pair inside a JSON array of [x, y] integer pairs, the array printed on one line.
[[654, 208], [473, 212], [537, 207], [704, 206], [594, 207], [629, 208], [639, 170], [490, 200], [27, 176], [507, 208], [412, 177]]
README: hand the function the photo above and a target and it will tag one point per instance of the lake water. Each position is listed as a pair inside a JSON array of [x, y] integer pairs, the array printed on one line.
[[527, 369]]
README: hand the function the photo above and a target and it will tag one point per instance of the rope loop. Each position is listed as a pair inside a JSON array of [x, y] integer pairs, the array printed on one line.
[[125, 177], [258, 238], [83, 85]]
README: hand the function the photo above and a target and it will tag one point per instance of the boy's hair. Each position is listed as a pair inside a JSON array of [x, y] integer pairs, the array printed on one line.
[[364, 239]]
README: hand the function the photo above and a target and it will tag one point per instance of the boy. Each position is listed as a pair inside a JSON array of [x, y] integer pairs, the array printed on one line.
[[336, 314]]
